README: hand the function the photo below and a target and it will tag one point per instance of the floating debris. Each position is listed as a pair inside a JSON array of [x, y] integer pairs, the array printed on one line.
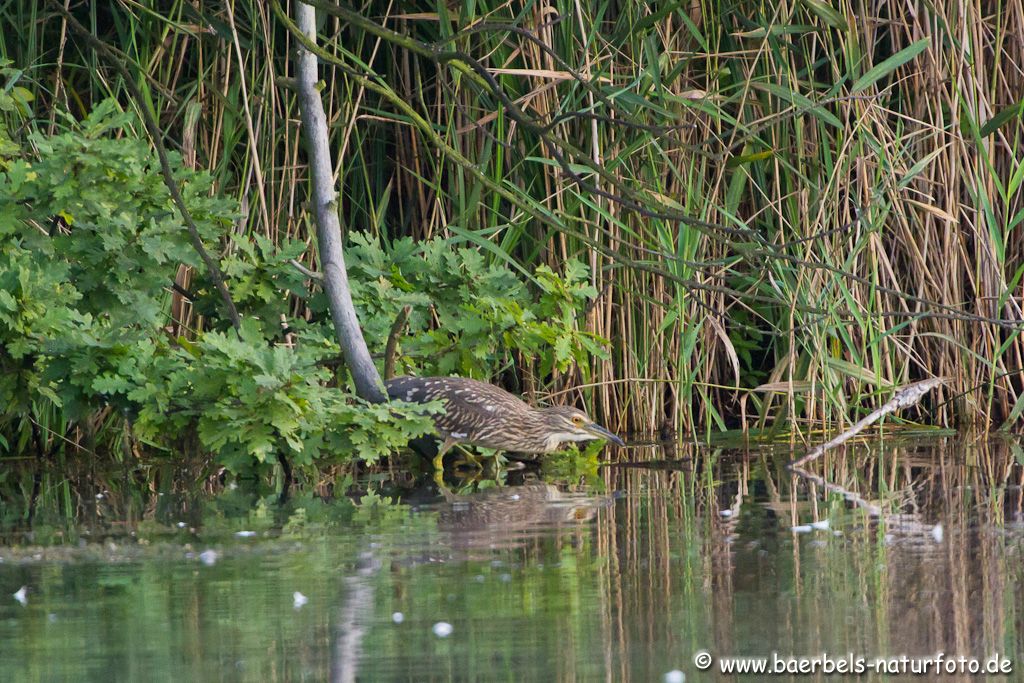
[[99, 496], [938, 533], [208, 557], [298, 600], [22, 595], [397, 617], [442, 629], [724, 513], [675, 676], [245, 534], [802, 529], [181, 525], [823, 525]]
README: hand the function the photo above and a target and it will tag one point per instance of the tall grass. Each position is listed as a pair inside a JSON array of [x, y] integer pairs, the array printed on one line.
[[852, 171]]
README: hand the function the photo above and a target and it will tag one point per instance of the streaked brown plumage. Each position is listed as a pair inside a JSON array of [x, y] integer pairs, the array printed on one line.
[[480, 414]]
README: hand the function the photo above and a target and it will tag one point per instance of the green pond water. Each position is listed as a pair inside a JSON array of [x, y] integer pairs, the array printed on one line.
[[915, 548]]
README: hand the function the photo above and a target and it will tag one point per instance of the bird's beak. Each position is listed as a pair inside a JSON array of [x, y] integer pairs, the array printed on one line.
[[600, 432]]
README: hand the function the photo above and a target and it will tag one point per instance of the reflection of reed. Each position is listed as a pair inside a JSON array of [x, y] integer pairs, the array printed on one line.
[[643, 541], [921, 556]]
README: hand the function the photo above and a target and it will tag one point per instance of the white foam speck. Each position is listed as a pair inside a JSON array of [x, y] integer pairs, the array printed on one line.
[[938, 533], [22, 595], [397, 617], [442, 629], [675, 676], [298, 600], [208, 557]]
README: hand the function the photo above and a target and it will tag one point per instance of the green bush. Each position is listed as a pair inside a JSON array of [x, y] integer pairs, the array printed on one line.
[[91, 243], [469, 315], [90, 246]]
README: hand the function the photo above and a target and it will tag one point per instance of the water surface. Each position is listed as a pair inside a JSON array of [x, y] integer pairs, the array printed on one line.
[[915, 549]]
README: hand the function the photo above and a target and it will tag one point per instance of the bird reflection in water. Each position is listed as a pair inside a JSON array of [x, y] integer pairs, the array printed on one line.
[[506, 517]]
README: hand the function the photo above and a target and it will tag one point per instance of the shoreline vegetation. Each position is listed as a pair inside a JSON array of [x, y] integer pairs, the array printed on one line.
[[694, 219]]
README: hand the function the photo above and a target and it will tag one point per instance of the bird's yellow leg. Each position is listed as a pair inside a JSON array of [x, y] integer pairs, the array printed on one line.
[[439, 458], [468, 456], [492, 468]]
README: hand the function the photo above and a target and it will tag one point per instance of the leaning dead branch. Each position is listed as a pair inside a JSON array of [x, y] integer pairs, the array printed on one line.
[[328, 226], [904, 398]]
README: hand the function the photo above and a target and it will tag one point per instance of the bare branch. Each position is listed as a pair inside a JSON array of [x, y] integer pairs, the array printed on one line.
[[328, 226], [904, 398]]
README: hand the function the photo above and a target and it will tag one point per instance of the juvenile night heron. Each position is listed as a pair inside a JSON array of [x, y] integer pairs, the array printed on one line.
[[480, 414]]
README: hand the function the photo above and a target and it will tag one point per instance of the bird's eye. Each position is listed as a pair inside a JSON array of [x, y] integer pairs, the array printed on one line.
[[577, 420]]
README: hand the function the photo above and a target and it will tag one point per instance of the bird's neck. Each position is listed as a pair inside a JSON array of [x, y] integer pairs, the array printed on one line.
[[542, 424]]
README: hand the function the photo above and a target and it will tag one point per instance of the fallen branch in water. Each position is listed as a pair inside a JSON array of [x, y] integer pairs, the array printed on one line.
[[903, 398]]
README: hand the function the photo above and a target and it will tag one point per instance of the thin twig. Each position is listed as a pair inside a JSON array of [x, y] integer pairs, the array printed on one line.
[[391, 350], [311, 274]]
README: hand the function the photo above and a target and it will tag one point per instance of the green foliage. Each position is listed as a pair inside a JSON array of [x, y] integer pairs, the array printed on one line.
[[90, 246], [250, 400], [575, 464], [94, 200], [91, 242], [15, 102], [468, 314], [263, 282]]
